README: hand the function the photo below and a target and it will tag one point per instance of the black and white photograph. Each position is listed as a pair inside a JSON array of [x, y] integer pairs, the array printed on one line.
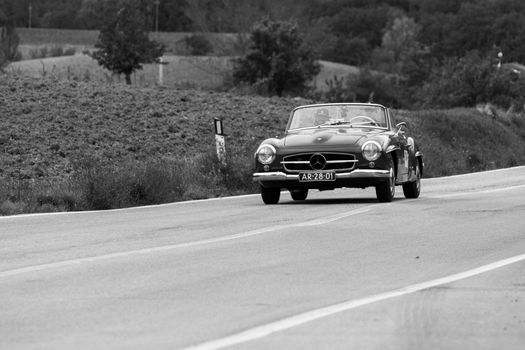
[[262, 174]]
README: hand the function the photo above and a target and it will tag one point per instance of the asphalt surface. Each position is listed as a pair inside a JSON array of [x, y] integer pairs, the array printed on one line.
[[337, 271]]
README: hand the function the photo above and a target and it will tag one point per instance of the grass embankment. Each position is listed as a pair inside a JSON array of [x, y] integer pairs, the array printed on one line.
[[68, 145]]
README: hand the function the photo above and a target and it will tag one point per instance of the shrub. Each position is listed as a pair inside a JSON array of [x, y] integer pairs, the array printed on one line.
[[70, 51], [8, 37], [34, 54], [56, 51], [337, 91], [377, 87], [58, 201], [100, 185], [17, 56], [470, 80], [43, 52], [8, 207], [278, 59], [26, 195]]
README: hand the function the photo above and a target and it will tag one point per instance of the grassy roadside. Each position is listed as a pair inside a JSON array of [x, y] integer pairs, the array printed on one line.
[[72, 145]]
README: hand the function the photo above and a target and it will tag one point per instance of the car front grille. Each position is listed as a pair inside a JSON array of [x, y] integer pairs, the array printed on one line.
[[321, 161]]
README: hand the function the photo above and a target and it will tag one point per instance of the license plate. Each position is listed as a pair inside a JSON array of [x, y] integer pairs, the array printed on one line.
[[320, 176]]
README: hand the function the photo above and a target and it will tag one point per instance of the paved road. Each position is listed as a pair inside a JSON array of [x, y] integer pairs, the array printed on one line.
[[339, 271]]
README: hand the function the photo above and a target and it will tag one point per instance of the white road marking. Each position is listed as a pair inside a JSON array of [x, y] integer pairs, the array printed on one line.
[[128, 209], [294, 321], [491, 190], [65, 263], [477, 173]]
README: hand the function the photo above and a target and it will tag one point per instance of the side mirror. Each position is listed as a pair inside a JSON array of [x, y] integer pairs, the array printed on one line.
[[400, 127]]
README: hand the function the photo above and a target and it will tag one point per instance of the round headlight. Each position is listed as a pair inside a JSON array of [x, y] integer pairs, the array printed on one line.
[[266, 154], [371, 150]]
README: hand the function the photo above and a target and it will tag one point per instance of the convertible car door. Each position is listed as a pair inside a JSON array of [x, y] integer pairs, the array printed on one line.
[[402, 153]]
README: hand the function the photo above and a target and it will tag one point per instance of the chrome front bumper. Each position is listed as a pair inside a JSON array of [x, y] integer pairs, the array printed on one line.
[[356, 174]]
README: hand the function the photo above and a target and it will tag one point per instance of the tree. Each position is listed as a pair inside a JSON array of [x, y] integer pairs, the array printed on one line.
[[8, 36], [400, 39], [277, 59], [238, 16], [172, 17], [90, 13], [123, 43], [470, 80], [57, 13]]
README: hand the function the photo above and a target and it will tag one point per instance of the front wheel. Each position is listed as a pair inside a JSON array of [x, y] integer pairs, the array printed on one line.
[[385, 191], [412, 189], [299, 195], [270, 195]]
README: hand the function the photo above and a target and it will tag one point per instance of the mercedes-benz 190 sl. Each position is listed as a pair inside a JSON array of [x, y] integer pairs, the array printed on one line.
[[336, 145]]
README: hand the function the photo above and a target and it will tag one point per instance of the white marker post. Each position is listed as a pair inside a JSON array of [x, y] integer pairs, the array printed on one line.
[[161, 70], [219, 141]]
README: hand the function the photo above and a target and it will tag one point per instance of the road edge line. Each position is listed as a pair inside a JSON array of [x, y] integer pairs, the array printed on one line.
[[309, 316]]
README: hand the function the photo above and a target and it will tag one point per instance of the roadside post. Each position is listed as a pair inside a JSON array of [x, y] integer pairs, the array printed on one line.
[[161, 70], [219, 141]]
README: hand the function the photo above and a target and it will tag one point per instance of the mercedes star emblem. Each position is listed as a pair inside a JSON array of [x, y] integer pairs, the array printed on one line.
[[317, 161]]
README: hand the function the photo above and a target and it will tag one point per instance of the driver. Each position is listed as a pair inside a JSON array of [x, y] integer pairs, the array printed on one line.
[[321, 116]]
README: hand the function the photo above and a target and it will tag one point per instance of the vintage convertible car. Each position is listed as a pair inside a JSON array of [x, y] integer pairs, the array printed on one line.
[[328, 146]]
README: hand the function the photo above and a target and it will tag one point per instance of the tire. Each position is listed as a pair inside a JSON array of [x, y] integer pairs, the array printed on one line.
[[270, 195], [386, 191], [412, 189], [299, 195]]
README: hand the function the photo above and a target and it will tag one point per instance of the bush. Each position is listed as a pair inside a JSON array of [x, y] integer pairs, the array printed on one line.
[[376, 87], [367, 86], [470, 80], [57, 201], [27, 196], [100, 185], [70, 51], [8, 207], [56, 51], [43, 52], [278, 59], [8, 38], [337, 91]]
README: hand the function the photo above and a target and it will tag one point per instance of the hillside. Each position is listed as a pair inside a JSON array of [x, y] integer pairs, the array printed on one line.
[[53, 130], [47, 123]]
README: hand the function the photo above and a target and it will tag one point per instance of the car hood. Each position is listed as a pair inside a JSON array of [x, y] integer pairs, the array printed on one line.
[[326, 137]]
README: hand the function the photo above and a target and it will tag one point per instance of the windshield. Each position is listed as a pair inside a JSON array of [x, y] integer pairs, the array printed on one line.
[[340, 114]]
